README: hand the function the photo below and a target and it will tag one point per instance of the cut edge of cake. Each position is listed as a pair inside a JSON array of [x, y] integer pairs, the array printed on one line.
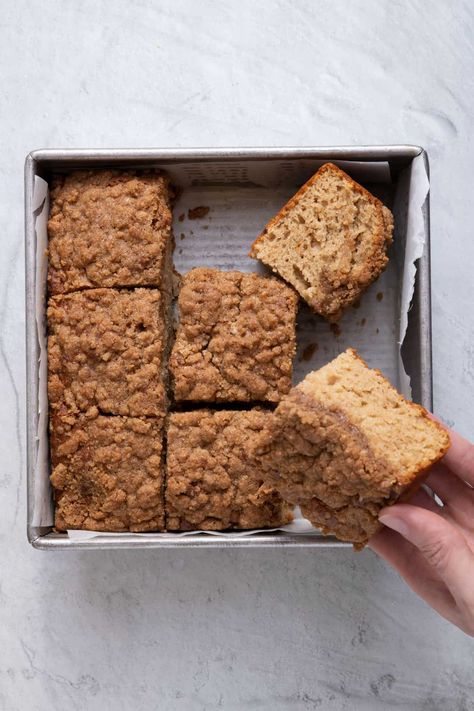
[[327, 497], [413, 406], [382, 240]]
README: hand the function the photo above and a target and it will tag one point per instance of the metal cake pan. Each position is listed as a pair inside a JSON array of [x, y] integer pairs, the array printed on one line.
[[416, 349]]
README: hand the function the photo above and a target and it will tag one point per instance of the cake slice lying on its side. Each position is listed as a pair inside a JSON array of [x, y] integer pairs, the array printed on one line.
[[344, 443], [329, 241]]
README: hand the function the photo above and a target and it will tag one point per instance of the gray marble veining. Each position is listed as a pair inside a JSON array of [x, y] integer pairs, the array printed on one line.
[[210, 630]]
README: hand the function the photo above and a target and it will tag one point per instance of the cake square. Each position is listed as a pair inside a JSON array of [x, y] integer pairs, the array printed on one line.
[[213, 482], [109, 229], [107, 349], [329, 241], [107, 472], [235, 339], [344, 443]]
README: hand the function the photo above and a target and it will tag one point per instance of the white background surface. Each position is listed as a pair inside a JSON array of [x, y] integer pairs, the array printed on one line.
[[218, 629]]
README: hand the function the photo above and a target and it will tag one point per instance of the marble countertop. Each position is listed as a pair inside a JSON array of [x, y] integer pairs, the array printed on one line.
[[221, 629]]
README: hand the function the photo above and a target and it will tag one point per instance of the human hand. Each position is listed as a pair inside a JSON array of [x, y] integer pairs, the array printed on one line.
[[432, 546]]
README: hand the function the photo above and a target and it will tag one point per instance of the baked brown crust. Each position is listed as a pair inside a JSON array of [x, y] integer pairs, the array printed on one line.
[[339, 286], [293, 201], [213, 482], [106, 348], [427, 462], [108, 229], [107, 472], [235, 339]]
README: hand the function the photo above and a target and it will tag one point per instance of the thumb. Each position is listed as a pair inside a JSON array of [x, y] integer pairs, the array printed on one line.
[[443, 546]]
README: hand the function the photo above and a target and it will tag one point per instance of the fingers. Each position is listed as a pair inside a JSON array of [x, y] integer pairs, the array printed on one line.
[[416, 571], [460, 457], [402, 555], [443, 547], [459, 509], [424, 500], [457, 496]]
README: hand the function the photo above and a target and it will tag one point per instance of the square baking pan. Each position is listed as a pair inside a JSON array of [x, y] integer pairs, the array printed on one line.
[[240, 188]]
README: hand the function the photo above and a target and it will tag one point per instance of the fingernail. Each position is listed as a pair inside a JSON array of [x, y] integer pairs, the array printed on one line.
[[394, 522]]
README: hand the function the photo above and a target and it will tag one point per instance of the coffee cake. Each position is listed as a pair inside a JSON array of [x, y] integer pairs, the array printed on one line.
[[109, 229], [329, 241], [344, 443], [107, 348], [235, 339], [213, 483], [107, 472]]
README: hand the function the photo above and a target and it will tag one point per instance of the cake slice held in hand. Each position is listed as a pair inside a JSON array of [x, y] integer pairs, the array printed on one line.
[[344, 443], [329, 241]]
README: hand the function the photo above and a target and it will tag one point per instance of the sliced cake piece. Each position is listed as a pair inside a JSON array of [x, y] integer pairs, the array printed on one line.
[[344, 443], [107, 348], [235, 339], [109, 229], [329, 241], [107, 472], [213, 482]]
